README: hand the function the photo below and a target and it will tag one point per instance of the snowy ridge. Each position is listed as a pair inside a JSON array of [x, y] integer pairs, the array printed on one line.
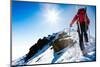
[[68, 54]]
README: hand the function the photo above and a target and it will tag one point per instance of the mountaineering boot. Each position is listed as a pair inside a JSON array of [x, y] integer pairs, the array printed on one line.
[[84, 52]]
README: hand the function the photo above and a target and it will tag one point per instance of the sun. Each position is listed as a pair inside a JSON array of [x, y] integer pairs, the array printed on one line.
[[52, 16]]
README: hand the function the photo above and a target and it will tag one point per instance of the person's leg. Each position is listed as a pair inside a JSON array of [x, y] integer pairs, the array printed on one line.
[[80, 34], [84, 30], [82, 46], [81, 41], [86, 36]]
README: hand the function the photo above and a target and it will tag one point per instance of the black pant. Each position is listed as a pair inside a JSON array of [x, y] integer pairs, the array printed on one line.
[[82, 32]]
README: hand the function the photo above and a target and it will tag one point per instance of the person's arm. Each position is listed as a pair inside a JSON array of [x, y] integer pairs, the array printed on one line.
[[74, 19]]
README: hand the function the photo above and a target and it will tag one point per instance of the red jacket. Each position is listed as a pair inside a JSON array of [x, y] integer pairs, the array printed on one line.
[[81, 17]]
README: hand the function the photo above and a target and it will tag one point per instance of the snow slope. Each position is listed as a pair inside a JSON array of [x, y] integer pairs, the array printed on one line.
[[68, 54]]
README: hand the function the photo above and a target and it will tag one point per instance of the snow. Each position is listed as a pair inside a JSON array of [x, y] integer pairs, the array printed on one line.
[[45, 57], [68, 54]]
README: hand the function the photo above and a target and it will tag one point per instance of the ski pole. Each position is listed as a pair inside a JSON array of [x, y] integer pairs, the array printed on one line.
[[89, 33], [79, 32], [69, 30], [86, 24]]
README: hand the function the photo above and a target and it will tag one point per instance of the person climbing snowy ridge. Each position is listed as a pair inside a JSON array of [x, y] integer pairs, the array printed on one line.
[[83, 22]]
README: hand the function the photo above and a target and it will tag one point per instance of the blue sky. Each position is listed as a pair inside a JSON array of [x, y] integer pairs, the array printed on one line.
[[30, 21]]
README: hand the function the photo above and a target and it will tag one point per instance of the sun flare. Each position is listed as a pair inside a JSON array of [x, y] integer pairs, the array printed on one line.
[[52, 16]]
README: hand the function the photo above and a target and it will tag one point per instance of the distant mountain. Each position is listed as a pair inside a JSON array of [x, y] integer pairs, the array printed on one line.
[[58, 48]]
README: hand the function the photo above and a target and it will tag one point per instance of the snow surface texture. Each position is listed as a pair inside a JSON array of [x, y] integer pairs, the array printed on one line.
[[68, 54]]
